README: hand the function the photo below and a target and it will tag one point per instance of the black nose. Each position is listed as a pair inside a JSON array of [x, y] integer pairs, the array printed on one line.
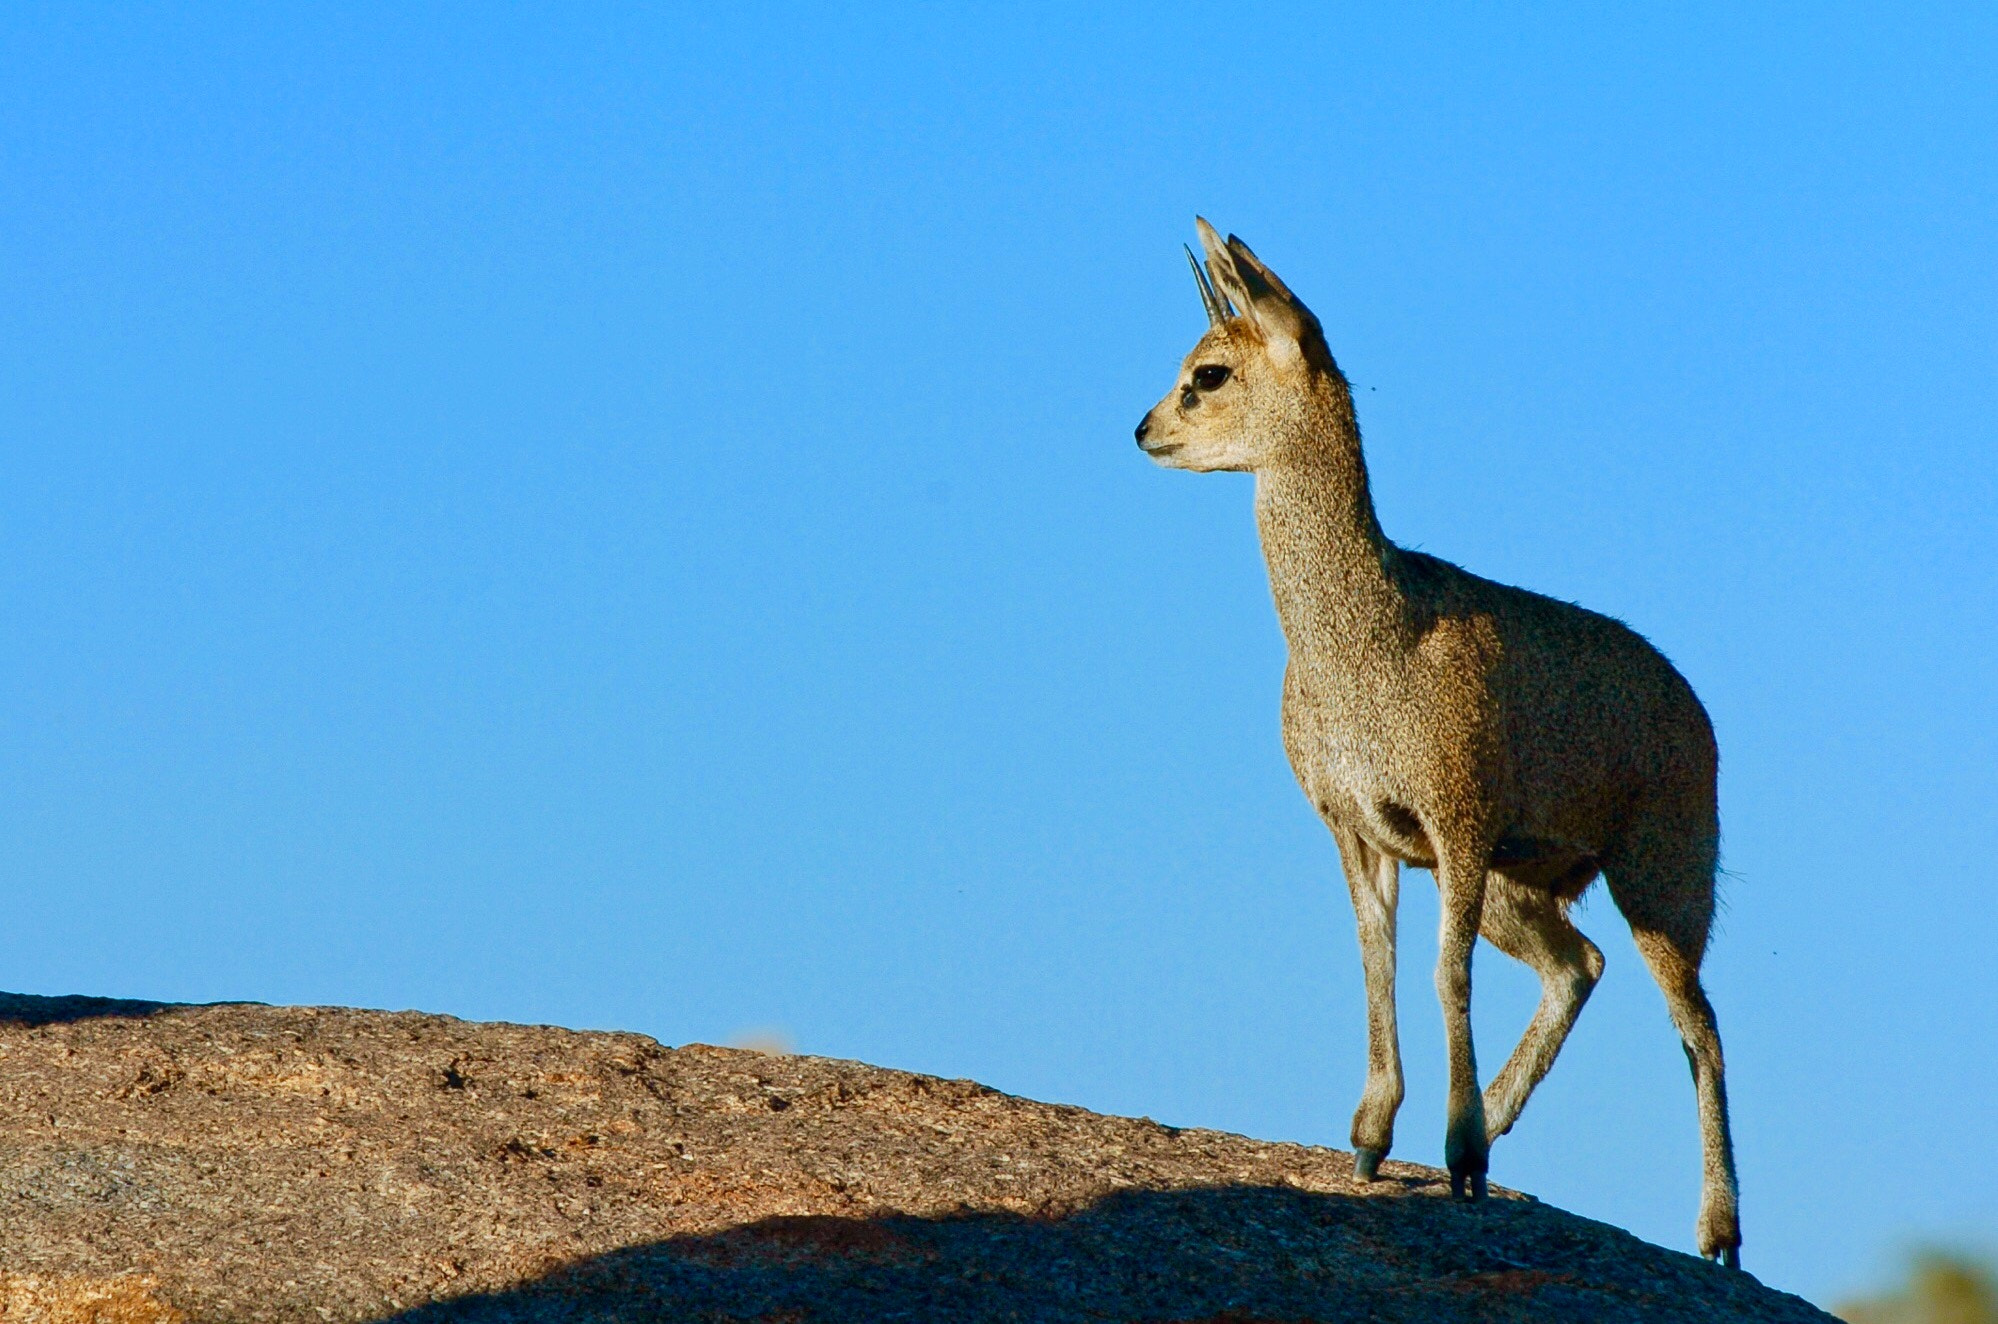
[[1144, 426]]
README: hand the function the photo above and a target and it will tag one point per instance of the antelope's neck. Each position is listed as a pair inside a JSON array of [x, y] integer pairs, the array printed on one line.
[[1328, 560]]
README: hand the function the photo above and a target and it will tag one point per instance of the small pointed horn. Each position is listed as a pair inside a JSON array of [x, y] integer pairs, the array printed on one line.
[[1216, 310]]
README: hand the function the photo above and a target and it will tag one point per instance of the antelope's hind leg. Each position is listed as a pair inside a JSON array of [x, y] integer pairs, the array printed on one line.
[[1530, 924], [1718, 1230], [1375, 881], [1667, 894]]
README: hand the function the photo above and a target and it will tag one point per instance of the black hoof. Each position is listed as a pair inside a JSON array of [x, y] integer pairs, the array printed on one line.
[[1367, 1164], [1728, 1257], [1475, 1181]]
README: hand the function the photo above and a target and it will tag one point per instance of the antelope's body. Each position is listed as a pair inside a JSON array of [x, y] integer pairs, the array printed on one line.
[[1516, 745]]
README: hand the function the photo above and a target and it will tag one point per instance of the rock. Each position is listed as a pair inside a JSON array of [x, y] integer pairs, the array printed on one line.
[[248, 1163], [126, 1299]]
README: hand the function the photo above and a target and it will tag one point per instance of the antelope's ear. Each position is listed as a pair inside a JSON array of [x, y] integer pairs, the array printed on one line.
[[1264, 299], [1258, 275], [1221, 266]]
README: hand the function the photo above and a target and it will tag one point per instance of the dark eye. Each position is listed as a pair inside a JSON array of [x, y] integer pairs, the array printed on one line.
[[1208, 376]]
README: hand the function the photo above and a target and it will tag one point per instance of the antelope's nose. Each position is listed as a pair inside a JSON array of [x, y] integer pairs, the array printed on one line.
[[1144, 426]]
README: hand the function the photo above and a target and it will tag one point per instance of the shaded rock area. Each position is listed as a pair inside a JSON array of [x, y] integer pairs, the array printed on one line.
[[240, 1162]]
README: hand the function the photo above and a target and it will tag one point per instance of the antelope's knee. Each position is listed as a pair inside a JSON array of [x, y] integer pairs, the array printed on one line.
[[1592, 965]]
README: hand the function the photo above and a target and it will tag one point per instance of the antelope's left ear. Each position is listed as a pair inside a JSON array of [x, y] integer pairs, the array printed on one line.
[[1287, 325], [1221, 267]]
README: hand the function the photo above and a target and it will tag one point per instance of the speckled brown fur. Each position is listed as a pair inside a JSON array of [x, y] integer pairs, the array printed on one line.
[[1517, 745]]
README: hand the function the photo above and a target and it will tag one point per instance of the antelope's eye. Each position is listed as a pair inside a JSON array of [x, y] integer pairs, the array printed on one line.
[[1208, 376]]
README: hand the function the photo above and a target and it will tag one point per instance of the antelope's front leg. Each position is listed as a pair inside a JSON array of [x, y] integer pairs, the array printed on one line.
[[1375, 881], [1460, 877]]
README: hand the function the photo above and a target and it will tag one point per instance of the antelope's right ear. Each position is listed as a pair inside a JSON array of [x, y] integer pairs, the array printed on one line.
[[1264, 299]]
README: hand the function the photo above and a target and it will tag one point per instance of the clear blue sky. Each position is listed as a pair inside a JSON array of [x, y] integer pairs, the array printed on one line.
[[631, 521]]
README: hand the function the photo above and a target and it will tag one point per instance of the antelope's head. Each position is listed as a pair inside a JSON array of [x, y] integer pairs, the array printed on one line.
[[1252, 378]]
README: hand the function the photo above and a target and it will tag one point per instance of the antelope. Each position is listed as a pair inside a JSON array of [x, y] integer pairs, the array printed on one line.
[[1517, 746]]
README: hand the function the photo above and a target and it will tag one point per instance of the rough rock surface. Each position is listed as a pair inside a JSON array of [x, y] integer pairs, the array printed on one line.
[[251, 1163]]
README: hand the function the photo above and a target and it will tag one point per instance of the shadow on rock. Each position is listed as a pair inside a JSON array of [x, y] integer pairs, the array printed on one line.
[[1239, 1255], [28, 1009]]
